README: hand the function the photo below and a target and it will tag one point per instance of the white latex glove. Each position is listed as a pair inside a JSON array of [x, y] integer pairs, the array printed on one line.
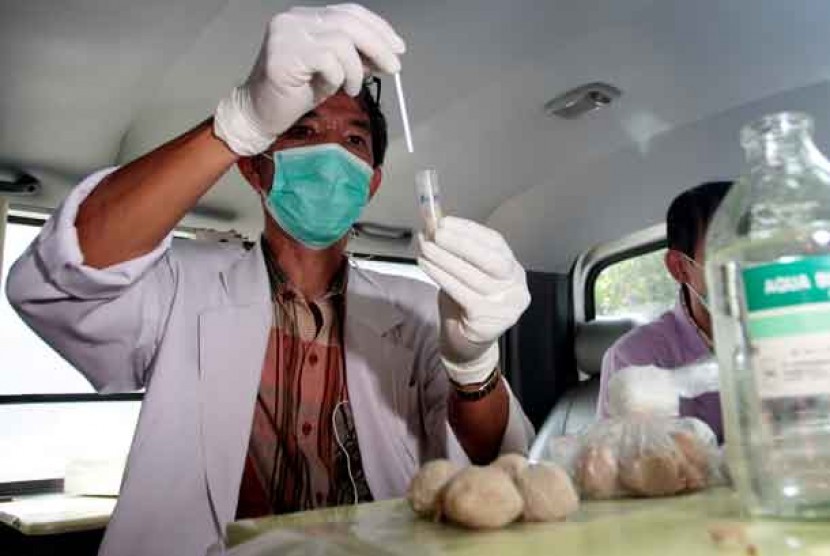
[[483, 293], [307, 55]]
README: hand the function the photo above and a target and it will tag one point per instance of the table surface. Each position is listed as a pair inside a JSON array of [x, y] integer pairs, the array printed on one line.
[[683, 525]]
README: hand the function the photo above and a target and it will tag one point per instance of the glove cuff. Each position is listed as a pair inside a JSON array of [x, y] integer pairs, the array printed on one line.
[[475, 371], [233, 125]]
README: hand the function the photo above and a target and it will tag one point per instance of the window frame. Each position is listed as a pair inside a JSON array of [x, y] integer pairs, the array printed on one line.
[[37, 219], [592, 262], [26, 216]]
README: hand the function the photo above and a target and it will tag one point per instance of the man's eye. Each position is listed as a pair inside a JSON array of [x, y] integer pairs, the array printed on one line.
[[356, 140], [299, 132]]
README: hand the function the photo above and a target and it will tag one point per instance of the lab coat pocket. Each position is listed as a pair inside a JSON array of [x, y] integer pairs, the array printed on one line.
[[403, 399], [378, 369]]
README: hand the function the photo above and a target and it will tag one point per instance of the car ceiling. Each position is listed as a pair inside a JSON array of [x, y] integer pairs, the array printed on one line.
[[94, 83]]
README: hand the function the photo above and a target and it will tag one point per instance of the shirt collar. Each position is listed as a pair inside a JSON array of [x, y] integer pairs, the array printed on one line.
[[280, 282]]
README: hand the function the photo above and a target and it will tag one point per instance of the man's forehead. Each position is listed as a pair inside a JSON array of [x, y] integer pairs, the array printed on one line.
[[339, 106]]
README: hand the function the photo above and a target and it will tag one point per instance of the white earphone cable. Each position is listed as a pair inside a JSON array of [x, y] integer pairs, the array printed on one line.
[[343, 448]]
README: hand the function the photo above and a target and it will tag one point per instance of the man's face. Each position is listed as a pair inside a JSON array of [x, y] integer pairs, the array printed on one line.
[[339, 120]]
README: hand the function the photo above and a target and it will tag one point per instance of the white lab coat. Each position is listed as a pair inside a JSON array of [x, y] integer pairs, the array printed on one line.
[[190, 322]]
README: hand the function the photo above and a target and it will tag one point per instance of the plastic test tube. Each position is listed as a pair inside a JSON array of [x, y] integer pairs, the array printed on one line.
[[429, 200]]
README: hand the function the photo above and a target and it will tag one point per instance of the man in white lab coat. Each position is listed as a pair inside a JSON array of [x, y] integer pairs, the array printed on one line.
[[278, 378]]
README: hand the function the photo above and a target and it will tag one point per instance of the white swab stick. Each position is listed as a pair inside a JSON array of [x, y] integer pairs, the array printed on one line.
[[407, 133]]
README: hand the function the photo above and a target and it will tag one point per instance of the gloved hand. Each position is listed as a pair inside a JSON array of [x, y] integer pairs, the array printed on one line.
[[483, 293], [306, 56]]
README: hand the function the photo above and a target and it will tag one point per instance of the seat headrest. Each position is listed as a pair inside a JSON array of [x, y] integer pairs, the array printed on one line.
[[593, 338]]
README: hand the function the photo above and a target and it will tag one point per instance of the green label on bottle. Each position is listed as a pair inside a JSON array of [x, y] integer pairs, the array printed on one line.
[[784, 284], [788, 304]]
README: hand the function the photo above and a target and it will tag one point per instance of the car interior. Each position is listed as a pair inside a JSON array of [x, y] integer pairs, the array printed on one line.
[[567, 126]]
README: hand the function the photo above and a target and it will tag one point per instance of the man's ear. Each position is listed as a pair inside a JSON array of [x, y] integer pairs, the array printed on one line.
[[676, 264], [251, 169], [377, 177]]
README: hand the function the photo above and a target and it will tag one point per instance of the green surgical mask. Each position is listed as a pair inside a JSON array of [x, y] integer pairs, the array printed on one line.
[[318, 193]]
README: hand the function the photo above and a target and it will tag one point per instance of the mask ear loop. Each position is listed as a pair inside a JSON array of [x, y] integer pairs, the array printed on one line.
[[702, 300], [700, 297], [343, 448], [263, 194], [273, 159]]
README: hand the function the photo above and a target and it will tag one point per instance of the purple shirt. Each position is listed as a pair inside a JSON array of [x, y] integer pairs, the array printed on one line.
[[671, 341]]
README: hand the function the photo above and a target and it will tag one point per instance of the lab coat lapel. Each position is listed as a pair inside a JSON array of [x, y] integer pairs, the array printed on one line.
[[378, 368], [232, 343]]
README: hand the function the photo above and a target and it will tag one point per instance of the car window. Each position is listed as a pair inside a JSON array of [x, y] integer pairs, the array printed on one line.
[[638, 287], [50, 418], [29, 366]]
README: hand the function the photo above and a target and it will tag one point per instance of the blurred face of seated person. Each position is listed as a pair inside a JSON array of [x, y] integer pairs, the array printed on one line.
[[682, 335]]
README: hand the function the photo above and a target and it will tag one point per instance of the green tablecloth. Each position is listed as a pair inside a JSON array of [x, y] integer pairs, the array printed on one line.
[[667, 526]]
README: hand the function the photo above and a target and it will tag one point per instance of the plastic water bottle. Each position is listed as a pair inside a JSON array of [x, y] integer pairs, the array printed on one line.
[[768, 275]]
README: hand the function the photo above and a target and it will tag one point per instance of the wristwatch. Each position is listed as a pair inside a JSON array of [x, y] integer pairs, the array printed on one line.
[[474, 392]]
